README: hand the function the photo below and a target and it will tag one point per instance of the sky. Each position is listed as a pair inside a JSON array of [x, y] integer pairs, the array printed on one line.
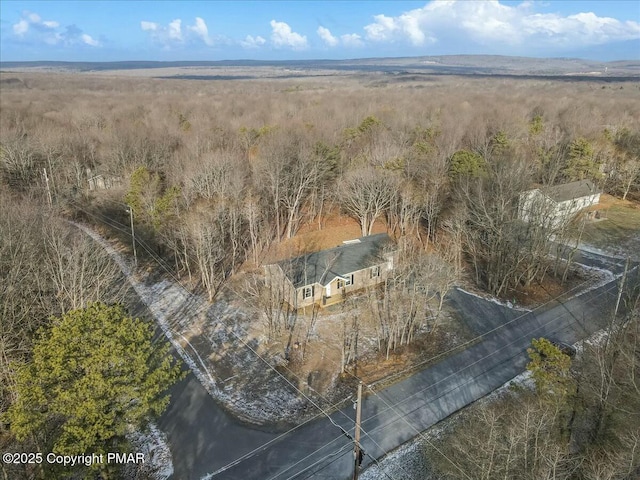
[[292, 30]]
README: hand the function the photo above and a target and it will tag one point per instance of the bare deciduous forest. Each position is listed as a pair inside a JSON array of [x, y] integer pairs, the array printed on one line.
[[221, 177]]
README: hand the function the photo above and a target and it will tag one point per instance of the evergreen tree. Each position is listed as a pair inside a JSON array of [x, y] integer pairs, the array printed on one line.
[[94, 375], [549, 368]]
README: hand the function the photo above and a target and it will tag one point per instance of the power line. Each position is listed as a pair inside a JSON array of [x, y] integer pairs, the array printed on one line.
[[312, 402], [484, 358], [123, 230], [446, 352], [311, 474], [342, 450], [266, 444], [480, 336], [389, 406], [402, 416], [385, 402], [159, 261]]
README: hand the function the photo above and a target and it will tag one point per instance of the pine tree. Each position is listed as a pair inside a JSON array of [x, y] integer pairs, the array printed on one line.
[[94, 375]]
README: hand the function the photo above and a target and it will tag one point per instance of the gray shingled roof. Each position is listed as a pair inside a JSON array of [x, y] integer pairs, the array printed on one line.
[[322, 267], [569, 191]]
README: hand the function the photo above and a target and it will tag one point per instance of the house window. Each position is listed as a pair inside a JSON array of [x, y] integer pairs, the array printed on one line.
[[375, 271], [345, 281], [307, 292]]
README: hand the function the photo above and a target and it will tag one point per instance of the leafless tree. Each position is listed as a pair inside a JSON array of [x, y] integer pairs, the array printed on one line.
[[505, 249], [291, 173], [625, 175], [366, 194], [19, 163], [79, 272], [411, 298], [405, 211], [206, 241], [252, 211], [591, 434], [46, 268], [25, 302]]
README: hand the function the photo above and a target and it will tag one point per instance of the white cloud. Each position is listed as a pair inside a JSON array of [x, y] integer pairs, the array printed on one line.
[[283, 36], [201, 30], [30, 19], [89, 41], [21, 27], [253, 42], [32, 28], [148, 26], [175, 33], [326, 37], [489, 22], [351, 40], [175, 30]]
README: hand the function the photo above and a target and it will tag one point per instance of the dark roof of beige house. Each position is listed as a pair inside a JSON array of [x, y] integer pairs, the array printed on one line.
[[570, 191], [323, 266]]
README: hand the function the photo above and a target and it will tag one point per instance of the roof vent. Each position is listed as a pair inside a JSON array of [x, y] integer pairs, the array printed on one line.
[[351, 242]]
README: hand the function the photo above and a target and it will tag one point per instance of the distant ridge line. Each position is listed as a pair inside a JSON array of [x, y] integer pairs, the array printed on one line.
[[437, 64]]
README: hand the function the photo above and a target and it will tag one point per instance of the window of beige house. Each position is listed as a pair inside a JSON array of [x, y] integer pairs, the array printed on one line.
[[307, 292]]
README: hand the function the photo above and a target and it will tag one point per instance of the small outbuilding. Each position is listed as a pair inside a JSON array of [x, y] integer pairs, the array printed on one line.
[[102, 182]]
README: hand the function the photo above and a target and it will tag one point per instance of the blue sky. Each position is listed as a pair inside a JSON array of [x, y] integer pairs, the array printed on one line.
[[262, 30]]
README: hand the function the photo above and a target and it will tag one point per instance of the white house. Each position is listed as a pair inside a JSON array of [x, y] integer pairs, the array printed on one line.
[[554, 206]]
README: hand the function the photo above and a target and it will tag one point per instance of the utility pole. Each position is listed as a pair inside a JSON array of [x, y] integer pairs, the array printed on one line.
[[133, 236], [46, 180], [357, 452]]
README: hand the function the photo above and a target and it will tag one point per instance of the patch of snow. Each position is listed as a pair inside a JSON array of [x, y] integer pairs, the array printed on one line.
[[524, 381], [494, 300], [598, 251], [605, 277], [604, 271], [597, 339], [408, 460], [177, 312], [162, 299], [158, 462]]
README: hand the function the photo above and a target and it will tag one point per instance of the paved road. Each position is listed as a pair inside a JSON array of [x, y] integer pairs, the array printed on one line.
[[203, 438]]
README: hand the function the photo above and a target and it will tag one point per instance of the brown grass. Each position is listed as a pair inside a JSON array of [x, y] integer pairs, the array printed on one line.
[[334, 229]]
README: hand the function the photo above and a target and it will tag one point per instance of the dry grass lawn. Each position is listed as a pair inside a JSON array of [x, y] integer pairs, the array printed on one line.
[[336, 228], [618, 229]]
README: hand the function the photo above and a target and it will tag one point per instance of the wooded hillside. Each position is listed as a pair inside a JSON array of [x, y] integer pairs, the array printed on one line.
[[215, 172]]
